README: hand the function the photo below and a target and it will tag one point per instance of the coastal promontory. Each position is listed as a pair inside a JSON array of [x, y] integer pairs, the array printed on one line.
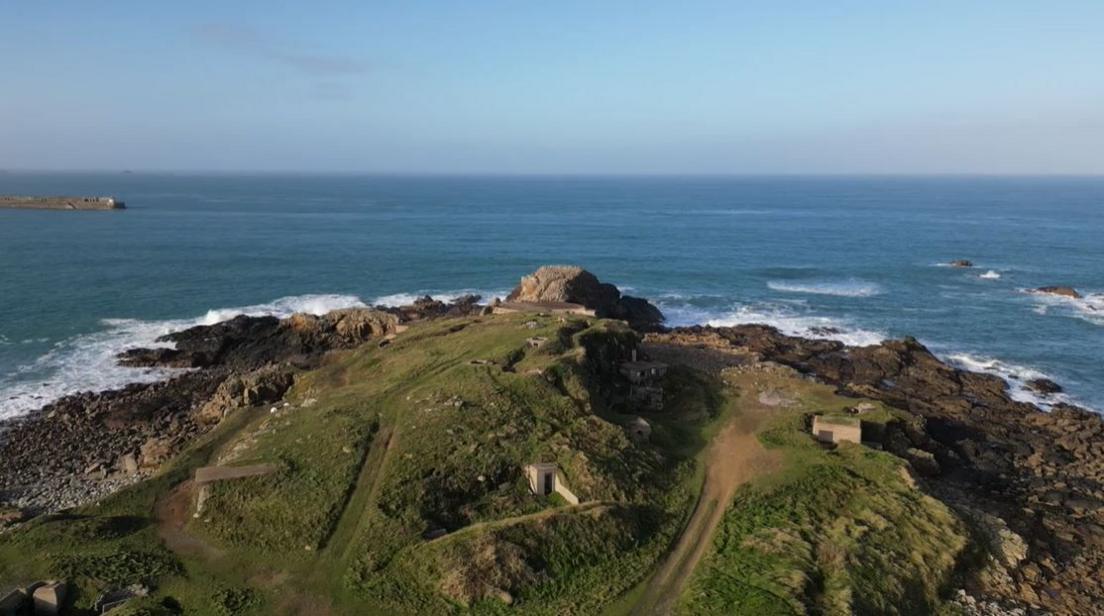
[[558, 451]]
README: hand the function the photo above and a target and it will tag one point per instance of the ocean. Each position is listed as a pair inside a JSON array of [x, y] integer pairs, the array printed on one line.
[[857, 259]]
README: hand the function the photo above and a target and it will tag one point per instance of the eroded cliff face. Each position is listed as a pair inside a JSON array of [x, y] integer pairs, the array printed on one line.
[[1039, 474]]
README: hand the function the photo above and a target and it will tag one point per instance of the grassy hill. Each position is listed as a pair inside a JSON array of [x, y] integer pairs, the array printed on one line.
[[400, 490]]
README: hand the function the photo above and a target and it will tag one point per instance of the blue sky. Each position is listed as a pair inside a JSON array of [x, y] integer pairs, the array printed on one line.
[[554, 87]]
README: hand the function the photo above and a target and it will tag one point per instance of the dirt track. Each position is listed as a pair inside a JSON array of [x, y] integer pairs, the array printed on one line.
[[732, 458], [173, 512]]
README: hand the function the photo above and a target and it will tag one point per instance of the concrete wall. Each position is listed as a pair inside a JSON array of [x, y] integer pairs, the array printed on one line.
[[828, 431]]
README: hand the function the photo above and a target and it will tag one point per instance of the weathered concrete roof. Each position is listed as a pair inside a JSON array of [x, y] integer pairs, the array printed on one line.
[[543, 307], [838, 420], [207, 474]]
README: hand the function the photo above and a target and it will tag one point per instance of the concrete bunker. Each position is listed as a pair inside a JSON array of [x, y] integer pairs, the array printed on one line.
[[638, 429], [830, 429], [545, 479], [645, 381]]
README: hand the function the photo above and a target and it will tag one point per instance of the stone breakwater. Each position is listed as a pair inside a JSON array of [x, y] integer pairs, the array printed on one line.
[[60, 203]]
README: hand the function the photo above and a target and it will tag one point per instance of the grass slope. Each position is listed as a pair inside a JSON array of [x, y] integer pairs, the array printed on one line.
[[837, 531]]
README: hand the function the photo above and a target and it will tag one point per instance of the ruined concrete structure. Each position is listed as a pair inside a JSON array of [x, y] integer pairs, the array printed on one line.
[[837, 429], [638, 429], [48, 598], [541, 308], [546, 478], [645, 382]]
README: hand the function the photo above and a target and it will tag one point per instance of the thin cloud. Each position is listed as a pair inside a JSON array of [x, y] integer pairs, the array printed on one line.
[[248, 41]]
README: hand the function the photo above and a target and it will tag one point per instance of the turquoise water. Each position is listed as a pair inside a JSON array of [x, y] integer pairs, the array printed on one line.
[[857, 255]]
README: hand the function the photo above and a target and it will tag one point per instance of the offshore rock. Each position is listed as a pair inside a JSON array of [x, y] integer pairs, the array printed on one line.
[[1060, 291]]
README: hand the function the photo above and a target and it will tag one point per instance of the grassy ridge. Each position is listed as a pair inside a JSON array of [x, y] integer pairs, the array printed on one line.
[[836, 531]]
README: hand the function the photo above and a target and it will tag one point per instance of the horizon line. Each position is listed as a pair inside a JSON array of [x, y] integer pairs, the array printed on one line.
[[555, 174]]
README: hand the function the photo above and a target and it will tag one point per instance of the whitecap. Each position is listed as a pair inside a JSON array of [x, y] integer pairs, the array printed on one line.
[[87, 362], [990, 275], [405, 299], [1089, 307], [839, 288], [788, 318], [1017, 377]]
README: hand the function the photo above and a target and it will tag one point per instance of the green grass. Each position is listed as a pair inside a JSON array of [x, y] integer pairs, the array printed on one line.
[[836, 531], [381, 445], [394, 442]]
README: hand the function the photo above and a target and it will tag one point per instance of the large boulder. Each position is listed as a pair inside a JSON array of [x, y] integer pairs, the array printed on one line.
[[262, 386], [575, 285]]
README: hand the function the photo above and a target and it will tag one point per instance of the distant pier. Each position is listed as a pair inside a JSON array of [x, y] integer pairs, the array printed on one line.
[[61, 203]]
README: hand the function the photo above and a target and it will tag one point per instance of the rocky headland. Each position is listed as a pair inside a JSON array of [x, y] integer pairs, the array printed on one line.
[[1029, 483]]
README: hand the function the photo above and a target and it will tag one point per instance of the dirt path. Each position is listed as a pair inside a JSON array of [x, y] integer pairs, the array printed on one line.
[[364, 494], [733, 458], [173, 512]]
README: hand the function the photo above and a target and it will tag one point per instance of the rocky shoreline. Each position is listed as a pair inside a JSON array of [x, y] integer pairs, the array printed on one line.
[[1031, 483]]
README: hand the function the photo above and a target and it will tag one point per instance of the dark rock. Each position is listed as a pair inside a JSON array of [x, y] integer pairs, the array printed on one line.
[[1059, 290], [1044, 386], [961, 263]]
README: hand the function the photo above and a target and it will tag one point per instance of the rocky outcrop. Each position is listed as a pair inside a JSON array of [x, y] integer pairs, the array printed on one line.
[[575, 285], [90, 444], [961, 263], [1041, 473], [247, 342], [428, 308], [1044, 386], [1060, 291], [261, 386]]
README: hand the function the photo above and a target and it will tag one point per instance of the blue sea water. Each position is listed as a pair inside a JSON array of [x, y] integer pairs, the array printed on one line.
[[856, 259]]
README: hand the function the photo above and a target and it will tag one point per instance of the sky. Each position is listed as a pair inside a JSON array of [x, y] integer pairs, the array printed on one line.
[[516, 87]]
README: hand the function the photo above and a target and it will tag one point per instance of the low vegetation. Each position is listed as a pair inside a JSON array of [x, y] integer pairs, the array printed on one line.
[[400, 490], [838, 530]]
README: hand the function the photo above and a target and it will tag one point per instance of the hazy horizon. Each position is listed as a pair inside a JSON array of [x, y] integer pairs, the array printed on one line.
[[1001, 89]]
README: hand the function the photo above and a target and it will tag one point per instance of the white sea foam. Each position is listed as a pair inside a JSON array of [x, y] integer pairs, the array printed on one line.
[[1089, 307], [789, 318], [405, 299], [1015, 375], [840, 288], [990, 275], [87, 362]]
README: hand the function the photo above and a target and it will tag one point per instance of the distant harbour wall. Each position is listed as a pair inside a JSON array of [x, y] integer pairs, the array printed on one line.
[[61, 203]]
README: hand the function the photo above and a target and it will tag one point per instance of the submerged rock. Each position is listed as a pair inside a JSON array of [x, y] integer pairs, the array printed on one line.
[[961, 263], [1060, 291]]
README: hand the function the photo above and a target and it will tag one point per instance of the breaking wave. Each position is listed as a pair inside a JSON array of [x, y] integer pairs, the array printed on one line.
[[1089, 307], [842, 288], [990, 275], [1015, 375], [790, 319], [87, 362]]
